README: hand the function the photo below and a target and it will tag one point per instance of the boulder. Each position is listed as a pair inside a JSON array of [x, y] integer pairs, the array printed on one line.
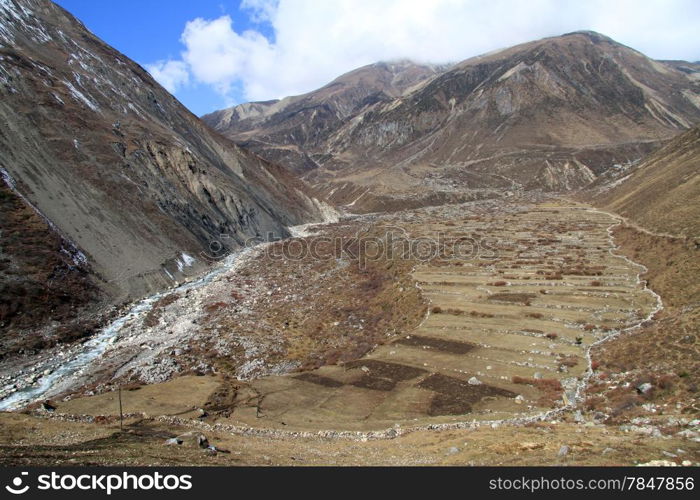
[[190, 439], [644, 388]]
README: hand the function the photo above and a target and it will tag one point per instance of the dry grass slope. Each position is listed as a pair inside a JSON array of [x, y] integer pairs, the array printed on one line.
[[663, 193]]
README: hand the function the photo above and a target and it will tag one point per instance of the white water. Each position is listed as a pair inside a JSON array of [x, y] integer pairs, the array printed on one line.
[[82, 357]]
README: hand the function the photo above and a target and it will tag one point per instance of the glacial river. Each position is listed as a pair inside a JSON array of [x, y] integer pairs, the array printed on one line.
[[80, 357]]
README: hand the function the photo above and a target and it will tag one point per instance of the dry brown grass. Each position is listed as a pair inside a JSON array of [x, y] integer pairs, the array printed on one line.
[[315, 311], [550, 387], [521, 298], [662, 193], [569, 361]]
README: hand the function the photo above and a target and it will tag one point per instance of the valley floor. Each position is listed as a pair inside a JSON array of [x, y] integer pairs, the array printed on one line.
[[494, 334]]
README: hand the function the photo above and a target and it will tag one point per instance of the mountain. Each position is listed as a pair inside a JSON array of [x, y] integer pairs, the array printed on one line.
[[550, 114], [661, 192], [287, 130], [108, 181]]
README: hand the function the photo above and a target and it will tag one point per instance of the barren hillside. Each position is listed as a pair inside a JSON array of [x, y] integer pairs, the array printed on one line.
[[660, 193], [548, 115], [135, 186]]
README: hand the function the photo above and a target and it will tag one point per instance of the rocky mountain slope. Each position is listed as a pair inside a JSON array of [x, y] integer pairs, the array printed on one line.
[[292, 129], [550, 114], [124, 184], [660, 193]]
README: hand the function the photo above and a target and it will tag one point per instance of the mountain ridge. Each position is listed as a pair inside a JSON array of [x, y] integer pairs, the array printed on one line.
[[550, 114], [319, 112]]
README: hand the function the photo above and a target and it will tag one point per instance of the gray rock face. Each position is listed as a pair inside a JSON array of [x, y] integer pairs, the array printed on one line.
[[308, 120], [143, 190]]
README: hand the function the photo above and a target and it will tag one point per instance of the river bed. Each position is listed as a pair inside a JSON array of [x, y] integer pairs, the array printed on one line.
[[61, 368]]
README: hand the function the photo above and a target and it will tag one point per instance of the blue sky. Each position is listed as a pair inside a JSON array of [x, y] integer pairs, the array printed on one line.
[[149, 30], [213, 54]]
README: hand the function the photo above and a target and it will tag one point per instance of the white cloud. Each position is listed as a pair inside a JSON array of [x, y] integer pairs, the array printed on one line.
[[316, 41], [170, 74], [261, 10], [218, 56]]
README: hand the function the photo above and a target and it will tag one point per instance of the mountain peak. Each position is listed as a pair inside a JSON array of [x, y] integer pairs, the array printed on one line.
[[549, 114], [592, 35]]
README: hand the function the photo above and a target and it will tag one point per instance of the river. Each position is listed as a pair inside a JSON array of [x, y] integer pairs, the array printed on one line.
[[80, 357]]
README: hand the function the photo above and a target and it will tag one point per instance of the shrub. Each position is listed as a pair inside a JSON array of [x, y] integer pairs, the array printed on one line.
[[569, 361], [594, 403], [550, 387], [666, 381], [540, 383], [477, 314], [552, 336], [625, 403], [548, 384], [215, 306], [523, 298], [436, 310]]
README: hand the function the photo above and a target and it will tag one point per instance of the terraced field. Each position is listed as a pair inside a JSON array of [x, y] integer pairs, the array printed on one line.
[[506, 336]]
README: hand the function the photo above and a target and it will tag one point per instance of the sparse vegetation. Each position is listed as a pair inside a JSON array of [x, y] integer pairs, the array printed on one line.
[[551, 389], [521, 298], [42, 291]]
